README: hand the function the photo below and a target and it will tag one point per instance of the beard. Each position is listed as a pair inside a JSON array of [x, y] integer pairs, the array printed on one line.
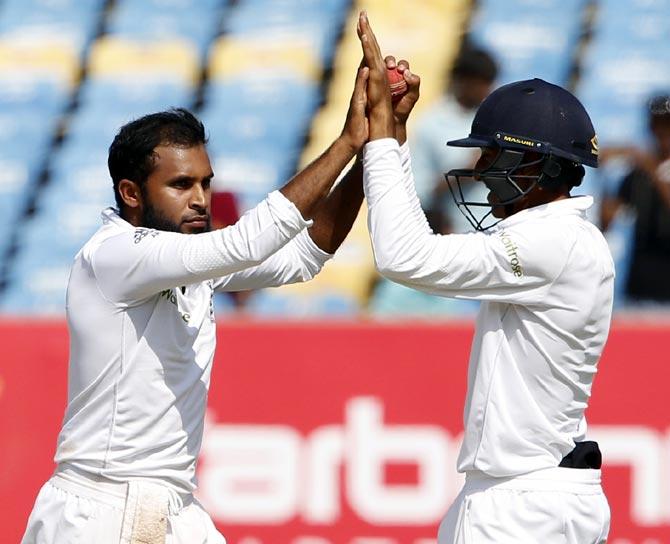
[[153, 218]]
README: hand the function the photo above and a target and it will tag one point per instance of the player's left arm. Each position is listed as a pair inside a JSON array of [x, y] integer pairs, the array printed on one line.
[[298, 261], [405, 249], [304, 256], [337, 212]]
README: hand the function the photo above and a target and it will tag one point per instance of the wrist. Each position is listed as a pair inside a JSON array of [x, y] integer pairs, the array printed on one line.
[[346, 146], [381, 126], [401, 132]]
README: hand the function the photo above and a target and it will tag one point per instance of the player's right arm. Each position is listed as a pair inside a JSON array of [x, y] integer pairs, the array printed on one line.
[[311, 185], [512, 266]]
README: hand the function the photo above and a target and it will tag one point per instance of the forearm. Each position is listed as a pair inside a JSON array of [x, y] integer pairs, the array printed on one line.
[[307, 188], [298, 261], [336, 214], [399, 233]]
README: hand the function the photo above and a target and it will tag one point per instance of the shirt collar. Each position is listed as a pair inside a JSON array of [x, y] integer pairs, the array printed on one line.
[[576, 205], [110, 215]]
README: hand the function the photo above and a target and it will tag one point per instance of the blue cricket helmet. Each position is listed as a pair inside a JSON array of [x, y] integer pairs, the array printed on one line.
[[534, 115]]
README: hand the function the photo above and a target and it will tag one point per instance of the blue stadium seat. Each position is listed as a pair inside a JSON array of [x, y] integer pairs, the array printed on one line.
[[283, 92], [240, 126], [316, 22], [529, 39], [252, 173], [135, 98], [24, 143], [256, 135], [67, 21], [47, 245], [107, 105], [85, 175], [616, 81], [151, 20], [31, 96], [25, 136], [39, 287]]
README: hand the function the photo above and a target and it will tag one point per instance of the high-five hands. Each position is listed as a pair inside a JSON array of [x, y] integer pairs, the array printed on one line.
[[355, 132], [386, 120], [380, 111]]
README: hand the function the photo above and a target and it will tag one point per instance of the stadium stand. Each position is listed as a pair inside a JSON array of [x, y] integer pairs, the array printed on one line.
[[125, 79], [71, 23], [193, 21], [256, 136], [624, 62], [36, 82], [530, 39], [342, 288], [271, 80]]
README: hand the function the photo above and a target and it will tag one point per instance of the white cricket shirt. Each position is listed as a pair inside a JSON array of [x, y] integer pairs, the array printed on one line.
[[545, 279], [142, 335]]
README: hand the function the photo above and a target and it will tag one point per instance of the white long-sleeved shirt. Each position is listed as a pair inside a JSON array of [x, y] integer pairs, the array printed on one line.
[[545, 279], [142, 335]]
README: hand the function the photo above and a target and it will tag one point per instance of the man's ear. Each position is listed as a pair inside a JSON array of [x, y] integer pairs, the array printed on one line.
[[130, 193]]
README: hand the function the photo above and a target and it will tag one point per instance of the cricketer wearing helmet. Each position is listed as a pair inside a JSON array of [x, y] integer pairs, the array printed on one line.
[[544, 276]]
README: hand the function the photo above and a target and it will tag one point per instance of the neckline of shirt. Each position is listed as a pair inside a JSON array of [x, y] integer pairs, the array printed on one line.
[[110, 215], [576, 205]]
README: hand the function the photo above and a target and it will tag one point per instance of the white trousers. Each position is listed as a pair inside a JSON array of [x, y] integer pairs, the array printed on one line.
[[75, 509], [552, 506]]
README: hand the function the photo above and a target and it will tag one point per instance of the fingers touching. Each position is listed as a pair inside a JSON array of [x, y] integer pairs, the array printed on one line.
[[359, 97], [371, 52]]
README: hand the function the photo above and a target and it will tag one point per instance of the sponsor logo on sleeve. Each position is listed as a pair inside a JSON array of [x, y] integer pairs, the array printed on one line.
[[511, 250]]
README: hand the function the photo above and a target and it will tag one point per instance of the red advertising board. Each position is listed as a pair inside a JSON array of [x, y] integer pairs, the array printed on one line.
[[345, 433]]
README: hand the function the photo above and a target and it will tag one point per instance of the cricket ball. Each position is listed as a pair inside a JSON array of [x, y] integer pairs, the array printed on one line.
[[397, 84]]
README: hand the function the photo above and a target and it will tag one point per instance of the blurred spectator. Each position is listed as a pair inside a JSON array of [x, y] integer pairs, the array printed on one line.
[[646, 191], [225, 212], [471, 80], [224, 209]]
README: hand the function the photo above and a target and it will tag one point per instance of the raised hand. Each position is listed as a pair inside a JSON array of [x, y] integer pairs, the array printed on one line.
[[356, 131], [380, 112], [403, 107]]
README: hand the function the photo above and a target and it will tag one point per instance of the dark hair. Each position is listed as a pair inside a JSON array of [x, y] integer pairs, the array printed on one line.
[[475, 62], [658, 108], [131, 155]]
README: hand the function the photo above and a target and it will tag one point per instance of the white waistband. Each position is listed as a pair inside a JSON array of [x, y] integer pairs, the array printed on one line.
[[110, 492], [582, 481]]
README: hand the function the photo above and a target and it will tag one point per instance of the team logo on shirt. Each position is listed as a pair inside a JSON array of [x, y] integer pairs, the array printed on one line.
[[141, 233], [211, 300], [510, 249], [171, 297]]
